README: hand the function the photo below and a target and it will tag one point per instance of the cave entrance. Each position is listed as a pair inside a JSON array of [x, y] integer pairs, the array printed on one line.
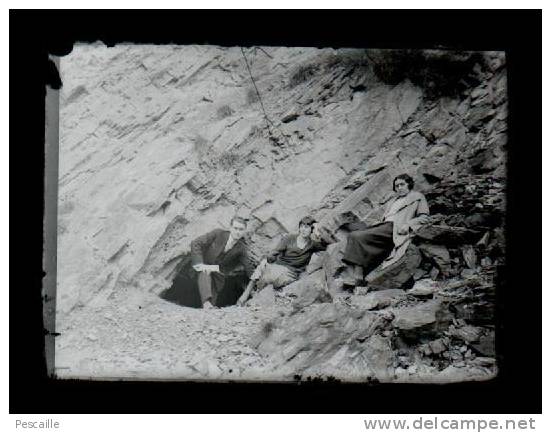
[[184, 289]]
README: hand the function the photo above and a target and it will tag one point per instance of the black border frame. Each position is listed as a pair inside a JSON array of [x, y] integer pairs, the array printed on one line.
[[34, 34]]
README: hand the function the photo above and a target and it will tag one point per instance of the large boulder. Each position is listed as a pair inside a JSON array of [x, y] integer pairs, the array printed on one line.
[[308, 290], [467, 333], [430, 318], [439, 254], [265, 298], [396, 275], [425, 288], [316, 262], [447, 235], [378, 300]]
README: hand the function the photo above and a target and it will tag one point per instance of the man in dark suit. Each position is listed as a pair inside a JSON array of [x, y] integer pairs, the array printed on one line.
[[216, 271]]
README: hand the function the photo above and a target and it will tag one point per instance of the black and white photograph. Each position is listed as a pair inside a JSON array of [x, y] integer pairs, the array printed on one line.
[[279, 213]]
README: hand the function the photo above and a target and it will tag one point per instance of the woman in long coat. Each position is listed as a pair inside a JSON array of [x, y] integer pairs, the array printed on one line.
[[387, 241]]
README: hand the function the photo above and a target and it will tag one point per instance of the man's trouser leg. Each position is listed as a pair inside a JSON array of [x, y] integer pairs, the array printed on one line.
[[209, 286]]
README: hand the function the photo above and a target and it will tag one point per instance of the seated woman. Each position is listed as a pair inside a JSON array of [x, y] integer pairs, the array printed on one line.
[[386, 241], [287, 261]]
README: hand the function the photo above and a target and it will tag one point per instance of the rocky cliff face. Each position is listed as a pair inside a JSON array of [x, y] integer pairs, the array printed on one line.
[[159, 144]]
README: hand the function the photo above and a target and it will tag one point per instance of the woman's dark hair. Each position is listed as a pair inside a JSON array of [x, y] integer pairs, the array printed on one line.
[[407, 178], [307, 220]]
